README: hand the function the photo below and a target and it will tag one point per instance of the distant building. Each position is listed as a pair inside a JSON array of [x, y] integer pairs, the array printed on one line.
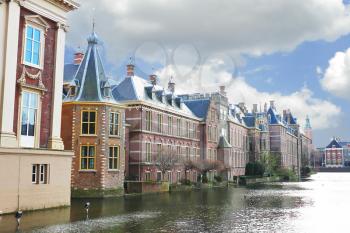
[[34, 168], [93, 124], [337, 154]]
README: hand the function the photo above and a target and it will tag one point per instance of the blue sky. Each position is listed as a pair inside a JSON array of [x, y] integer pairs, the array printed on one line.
[[275, 50]]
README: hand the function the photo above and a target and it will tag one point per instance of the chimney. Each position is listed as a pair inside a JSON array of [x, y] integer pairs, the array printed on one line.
[[255, 108], [272, 104], [78, 57], [222, 90], [171, 85], [153, 79], [130, 70], [265, 107]]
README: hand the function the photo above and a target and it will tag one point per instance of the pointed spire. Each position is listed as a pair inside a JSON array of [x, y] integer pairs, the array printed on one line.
[[307, 122]]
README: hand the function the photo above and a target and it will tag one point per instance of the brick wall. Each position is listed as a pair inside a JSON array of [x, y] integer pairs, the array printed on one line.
[[47, 77]]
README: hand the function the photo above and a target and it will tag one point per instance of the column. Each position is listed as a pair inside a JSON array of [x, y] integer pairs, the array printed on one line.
[[7, 136], [55, 140]]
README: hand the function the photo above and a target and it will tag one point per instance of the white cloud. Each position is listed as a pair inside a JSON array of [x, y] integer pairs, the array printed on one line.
[[234, 27], [336, 79], [302, 102], [319, 70]]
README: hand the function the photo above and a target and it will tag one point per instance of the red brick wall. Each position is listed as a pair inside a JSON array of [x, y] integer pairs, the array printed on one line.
[[47, 77]]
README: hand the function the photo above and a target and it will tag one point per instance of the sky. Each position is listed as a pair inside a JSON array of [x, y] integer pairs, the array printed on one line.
[[294, 52]]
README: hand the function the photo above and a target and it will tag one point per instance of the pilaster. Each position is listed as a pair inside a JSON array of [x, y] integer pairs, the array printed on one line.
[[55, 140], [8, 85]]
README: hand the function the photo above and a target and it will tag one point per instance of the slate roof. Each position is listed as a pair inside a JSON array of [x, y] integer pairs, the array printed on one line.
[[89, 78], [334, 143], [273, 117], [199, 107], [135, 88], [69, 72]]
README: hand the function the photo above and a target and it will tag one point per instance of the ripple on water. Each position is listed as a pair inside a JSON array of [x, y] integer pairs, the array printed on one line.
[[96, 225]]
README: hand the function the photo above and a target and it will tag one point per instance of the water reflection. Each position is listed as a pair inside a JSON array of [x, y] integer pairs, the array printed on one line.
[[318, 205]]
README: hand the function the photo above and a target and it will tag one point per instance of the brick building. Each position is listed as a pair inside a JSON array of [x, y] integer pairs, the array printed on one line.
[[34, 169], [337, 153], [161, 127], [94, 124]]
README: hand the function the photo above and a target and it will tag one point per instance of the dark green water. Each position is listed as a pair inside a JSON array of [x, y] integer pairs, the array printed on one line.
[[318, 205]]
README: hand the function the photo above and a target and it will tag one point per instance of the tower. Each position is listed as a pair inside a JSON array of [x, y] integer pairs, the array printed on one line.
[[308, 128]]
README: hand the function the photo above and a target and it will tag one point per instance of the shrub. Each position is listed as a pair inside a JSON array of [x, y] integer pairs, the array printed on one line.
[[254, 169], [218, 178], [185, 182], [305, 171], [204, 179], [286, 174]]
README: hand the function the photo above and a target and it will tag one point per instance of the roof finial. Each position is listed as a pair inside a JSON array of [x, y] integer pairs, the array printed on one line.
[[93, 20]]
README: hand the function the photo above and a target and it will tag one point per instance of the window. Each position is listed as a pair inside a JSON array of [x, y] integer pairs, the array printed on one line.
[[34, 173], [147, 176], [178, 176], [159, 151], [159, 176], [40, 173], [114, 157], [187, 153], [148, 152], [188, 129], [170, 125], [170, 177], [33, 43], [88, 123], [29, 115], [178, 127], [160, 123], [114, 123], [87, 157], [148, 120], [178, 152], [72, 91]]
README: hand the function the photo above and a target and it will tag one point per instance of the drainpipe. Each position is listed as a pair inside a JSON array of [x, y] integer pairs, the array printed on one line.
[[140, 153]]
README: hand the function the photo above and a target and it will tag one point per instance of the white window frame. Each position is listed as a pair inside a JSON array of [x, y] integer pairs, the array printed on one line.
[[36, 22], [115, 113]]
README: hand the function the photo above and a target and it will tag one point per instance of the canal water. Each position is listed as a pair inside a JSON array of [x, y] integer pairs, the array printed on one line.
[[320, 204]]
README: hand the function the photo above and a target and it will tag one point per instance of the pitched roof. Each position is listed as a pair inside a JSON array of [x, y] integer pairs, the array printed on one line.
[[334, 143], [199, 107], [90, 78], [69, 72], [135, 88], [273, 117]]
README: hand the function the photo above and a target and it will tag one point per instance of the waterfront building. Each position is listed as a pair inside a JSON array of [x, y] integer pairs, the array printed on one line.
[[163, 132], [34, 168], [93, 126], [284, 137], [337, 153], [258, 132]]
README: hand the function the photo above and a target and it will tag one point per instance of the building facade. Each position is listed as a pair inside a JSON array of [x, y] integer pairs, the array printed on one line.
[[35, 169], [337, 153], [163, 132], [93, 126]]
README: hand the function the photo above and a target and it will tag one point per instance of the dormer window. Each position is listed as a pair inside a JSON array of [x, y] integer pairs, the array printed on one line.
[[107, 91], [72, 90], [34, 40]]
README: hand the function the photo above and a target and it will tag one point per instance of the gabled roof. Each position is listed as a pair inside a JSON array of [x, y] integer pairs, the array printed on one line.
[[334, 143], [199, 107], [273, 117], [249, 121], [90, 76]]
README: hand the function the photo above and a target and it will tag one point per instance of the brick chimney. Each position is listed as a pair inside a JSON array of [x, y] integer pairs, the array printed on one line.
[[222, 90], [171, 85], [255, 108], [130, 70], [78, 57], [153, 79]]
